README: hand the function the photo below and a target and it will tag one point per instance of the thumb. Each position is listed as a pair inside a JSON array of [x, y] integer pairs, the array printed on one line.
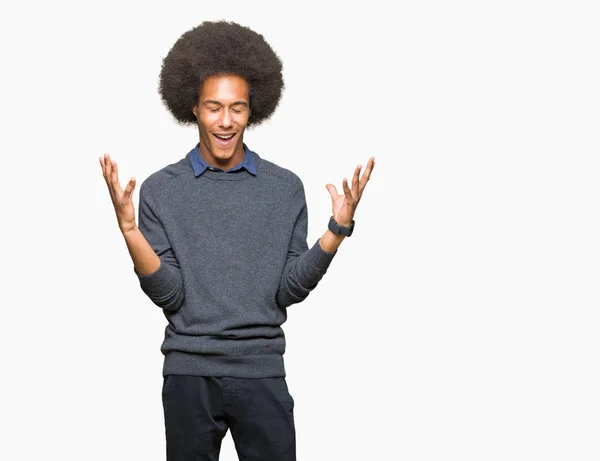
[[332, 190], [130, 187]]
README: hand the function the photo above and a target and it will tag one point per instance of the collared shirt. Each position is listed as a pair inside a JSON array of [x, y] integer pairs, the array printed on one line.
[[199, 164]]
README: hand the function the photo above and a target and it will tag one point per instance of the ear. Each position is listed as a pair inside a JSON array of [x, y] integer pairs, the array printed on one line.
[[195, 111]]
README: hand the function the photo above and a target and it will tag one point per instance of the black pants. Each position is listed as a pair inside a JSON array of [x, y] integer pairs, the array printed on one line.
[[199, 411]]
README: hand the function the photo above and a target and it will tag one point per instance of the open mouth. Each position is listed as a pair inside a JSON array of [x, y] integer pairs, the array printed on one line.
[[224, 139]]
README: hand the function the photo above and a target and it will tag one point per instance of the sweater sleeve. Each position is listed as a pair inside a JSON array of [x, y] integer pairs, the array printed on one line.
[[165, 285], [304, 267]]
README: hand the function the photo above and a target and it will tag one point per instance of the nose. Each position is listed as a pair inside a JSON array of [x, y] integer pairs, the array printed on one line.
[[225, 120]]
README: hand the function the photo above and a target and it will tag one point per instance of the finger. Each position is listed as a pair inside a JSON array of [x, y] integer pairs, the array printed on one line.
[[367, 174], [108, 167], [129, 188], [332, 191], [347, 192], [101, 160], [106, 171], [355, 178], [103, 163], [115, 176]]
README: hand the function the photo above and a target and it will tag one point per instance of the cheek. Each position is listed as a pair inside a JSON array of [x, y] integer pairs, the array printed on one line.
[[242, 120], [205, 121]]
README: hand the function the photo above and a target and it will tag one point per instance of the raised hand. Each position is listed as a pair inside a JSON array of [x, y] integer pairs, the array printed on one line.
[[121, 199], [344, 205]]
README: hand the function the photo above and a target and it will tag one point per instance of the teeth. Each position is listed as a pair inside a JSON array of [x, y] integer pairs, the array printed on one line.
[[224, 137]]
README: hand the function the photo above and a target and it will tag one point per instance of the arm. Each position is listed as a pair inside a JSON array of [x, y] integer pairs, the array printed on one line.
[[159, 274], [145, 261], [304, 267], [330, 242], [162, 284]]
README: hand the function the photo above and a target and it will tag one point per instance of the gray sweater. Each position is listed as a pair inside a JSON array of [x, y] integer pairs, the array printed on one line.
[[234, 255]]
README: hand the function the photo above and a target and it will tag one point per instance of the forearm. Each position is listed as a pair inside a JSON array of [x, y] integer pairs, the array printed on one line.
[[144, 258], [160, 278], [302, 273], [330, 242]]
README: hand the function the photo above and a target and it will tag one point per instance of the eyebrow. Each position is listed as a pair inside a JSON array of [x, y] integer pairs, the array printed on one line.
[[218, 103]]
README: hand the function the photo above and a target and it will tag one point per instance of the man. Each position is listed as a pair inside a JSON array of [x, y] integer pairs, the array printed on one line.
[[221, 247]]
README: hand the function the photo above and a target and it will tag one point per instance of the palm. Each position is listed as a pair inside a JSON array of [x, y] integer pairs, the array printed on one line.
[[343, 206], [338, 202], [124, 205], [121, 198]]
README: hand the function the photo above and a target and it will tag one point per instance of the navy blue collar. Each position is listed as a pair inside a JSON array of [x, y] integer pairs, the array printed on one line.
[[199, 165]]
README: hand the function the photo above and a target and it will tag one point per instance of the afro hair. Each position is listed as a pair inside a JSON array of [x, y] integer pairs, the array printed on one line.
[[219, 48]]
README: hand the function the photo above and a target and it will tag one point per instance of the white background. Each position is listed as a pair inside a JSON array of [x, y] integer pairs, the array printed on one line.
[[459, 322]]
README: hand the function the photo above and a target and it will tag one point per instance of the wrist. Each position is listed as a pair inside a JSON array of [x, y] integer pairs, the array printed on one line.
[[330, 242], [128, 229], [343, 221], [340, 228]]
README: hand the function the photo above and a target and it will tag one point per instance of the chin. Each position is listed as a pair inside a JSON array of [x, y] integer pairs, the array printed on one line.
[[224, 154]]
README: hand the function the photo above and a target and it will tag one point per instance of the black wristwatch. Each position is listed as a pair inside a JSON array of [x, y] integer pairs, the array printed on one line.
[[340, 230]]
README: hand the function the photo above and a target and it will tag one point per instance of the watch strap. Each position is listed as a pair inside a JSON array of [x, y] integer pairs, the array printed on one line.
[[340, 230]]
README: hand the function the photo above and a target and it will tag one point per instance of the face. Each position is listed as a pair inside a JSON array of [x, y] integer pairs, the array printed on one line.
[[222, 112]]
